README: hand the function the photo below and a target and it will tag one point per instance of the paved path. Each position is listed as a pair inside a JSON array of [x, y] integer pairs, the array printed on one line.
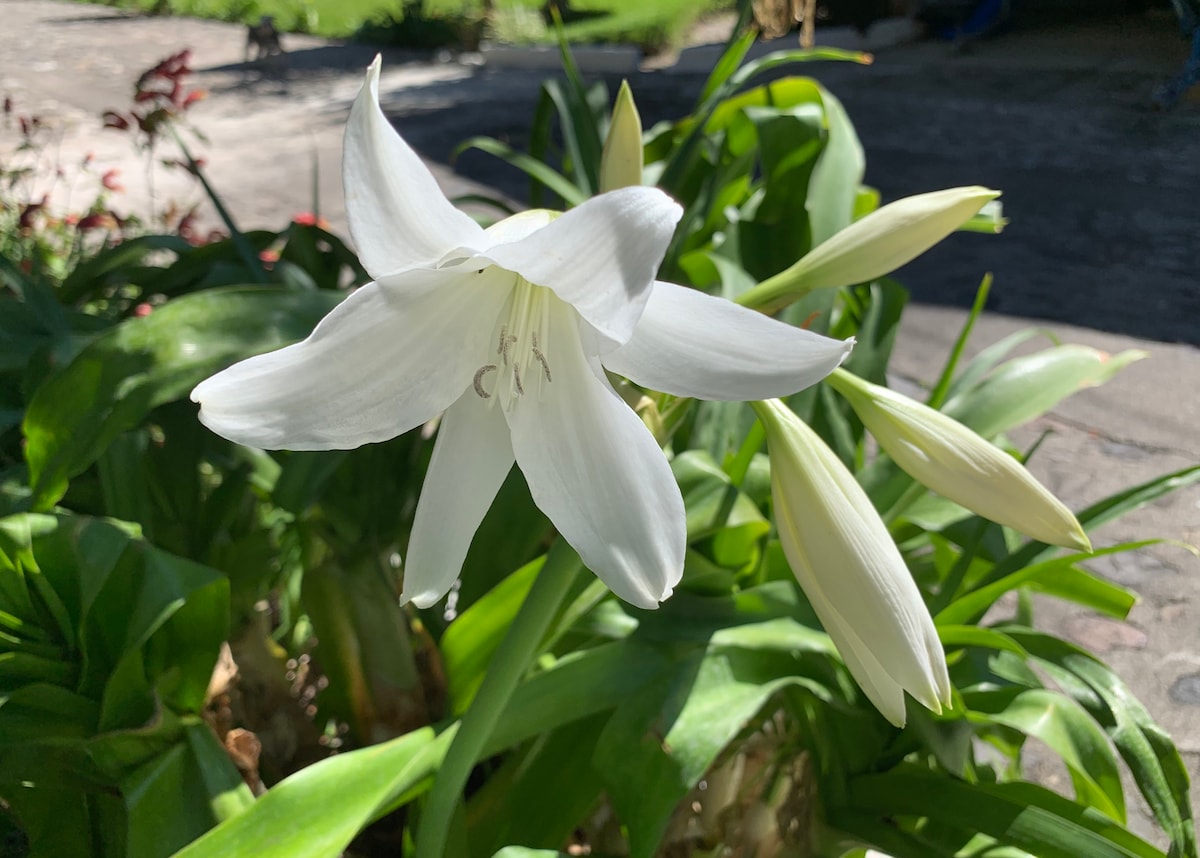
[[1101, 191]]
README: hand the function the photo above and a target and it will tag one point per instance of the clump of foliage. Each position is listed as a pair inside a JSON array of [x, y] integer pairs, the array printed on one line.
[[415, 26]]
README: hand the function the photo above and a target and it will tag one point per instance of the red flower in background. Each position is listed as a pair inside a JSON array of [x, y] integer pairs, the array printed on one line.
[[109, 180]]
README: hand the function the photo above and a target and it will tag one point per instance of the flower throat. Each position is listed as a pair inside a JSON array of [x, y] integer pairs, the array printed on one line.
[[520, 360]]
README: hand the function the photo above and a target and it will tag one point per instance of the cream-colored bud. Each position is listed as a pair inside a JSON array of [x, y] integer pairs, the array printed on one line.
[[621, 160], [958, 464], [874, 246], [849, 567]]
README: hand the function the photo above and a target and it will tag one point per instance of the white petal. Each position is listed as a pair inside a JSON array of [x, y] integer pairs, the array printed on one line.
[[471, 458], [398, 215], [596, 471], [388, 358], [600, 257], [688, 343], [872, 677]]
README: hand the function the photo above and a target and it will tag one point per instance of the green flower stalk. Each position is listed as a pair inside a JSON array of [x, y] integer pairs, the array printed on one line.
[[621, 160], [958, 464], [847, 564], [871, 247]]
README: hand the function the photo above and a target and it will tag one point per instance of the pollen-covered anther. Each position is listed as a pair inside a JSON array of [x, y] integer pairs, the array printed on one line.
[[541, 358], [478, 383], [506, 341]]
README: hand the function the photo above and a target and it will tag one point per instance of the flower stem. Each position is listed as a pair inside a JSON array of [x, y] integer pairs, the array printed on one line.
[[507, 666]]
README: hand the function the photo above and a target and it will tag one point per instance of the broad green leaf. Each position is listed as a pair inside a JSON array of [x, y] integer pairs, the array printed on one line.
[[137, 632], [110, 266], [1027, 387], [660, 742], [469, 641], [1066, 729], [182, 793], [978, 636], [319, 810], [316, 812], [982, 363], [146, 362], [1023, 815], [973, 605], [712, 501], [578, 685], [833, 188], [364, 646], [540, 794], [1146, 748]]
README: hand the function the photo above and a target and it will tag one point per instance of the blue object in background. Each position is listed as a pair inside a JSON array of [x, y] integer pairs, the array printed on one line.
[[985, 17], [1169, 93]]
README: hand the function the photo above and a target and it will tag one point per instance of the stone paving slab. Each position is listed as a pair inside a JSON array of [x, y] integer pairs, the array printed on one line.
[[1102, 194]]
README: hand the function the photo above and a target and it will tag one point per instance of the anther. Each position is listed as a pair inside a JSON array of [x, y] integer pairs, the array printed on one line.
[[506, 341], [541, 358], [517, 380], [479, 374]]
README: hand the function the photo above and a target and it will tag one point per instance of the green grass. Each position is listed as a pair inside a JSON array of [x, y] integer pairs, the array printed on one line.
[[651, 23]]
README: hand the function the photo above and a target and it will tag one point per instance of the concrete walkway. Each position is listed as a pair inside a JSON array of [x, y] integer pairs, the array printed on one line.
[[1103, 248]]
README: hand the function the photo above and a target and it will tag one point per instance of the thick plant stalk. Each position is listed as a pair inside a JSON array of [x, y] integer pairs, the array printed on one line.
[[508, 665]]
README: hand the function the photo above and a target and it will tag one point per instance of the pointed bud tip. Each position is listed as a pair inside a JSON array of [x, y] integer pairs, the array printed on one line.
[[1078, 540]]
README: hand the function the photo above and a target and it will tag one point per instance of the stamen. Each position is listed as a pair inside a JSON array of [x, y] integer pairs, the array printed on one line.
[[479, 374], [517, 379], [506, 341], [541, 358]]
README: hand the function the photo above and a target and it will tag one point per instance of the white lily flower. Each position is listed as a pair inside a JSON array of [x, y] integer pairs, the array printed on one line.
[[850, 569], [509, 331], [949, 458]]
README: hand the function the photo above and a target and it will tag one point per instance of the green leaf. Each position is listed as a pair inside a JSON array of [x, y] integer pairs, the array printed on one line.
[[1023, 815], [978, 636], [1027, 387], [469, 641], [320, 809], [833, 188], [143, 363], [1151, 755], [1057, 576], [179, 795], [316, 812], [660, 742], [539, 795], [578, 685], [942, 388], [107, 267], [735, 51], [712, 501], [548, 176], [982, 363], [1066, 729]]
